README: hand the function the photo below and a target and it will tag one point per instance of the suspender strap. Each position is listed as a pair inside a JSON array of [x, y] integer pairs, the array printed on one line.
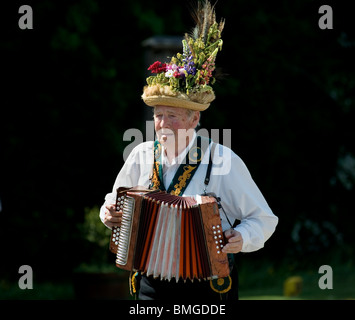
[[207, 180], [208, 172]]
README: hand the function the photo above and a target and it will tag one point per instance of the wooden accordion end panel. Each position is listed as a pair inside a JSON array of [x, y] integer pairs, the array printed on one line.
[[169, 236]]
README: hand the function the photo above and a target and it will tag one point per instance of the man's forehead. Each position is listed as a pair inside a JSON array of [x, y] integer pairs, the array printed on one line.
[[168, 109]]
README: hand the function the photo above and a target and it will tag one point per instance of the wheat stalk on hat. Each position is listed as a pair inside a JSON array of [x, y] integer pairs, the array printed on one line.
[[186, 81]]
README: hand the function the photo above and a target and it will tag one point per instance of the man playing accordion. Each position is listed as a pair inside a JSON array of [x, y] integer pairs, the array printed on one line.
[[179, 91]]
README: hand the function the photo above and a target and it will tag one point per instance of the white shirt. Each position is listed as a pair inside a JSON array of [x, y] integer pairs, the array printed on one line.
[[230, 180], [169, 169]]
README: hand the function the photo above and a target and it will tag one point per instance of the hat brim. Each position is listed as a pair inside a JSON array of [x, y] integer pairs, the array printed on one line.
[[162, 100]]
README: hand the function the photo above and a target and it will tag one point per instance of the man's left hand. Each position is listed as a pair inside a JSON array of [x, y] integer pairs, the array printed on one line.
[[234, 241]]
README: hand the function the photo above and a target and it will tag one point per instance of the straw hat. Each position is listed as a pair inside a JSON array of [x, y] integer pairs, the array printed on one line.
[[186, 81], [164, 96]]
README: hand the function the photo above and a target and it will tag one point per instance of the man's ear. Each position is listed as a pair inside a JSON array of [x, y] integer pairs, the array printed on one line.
[[195, 119]]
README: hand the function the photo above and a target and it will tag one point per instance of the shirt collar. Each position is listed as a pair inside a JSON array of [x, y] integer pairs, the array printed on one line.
[[181, 157]]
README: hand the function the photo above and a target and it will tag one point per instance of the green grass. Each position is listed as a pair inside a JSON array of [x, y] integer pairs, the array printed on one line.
[[264, 281], [258, 280], [40, 291]]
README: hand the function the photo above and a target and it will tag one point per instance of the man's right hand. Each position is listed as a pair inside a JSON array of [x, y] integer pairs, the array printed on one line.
[[112, 217]]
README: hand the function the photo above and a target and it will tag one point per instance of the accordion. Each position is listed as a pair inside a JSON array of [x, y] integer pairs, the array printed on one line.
[[168, 236]]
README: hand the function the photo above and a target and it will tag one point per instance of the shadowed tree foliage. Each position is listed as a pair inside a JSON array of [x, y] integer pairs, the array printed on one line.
[[72, 86]]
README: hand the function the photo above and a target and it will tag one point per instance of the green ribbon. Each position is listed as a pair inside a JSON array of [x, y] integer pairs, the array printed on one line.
[[185, 172]]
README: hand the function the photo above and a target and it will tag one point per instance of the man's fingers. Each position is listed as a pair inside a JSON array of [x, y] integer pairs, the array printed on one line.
[[233, 247], [114, 213], [236, 238], [231, 234], [234, 241], [111, 210], [228, 233], [111, 207], [114, 219]]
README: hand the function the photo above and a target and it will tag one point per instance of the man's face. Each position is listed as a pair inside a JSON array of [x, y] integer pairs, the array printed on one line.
[[172, 124]]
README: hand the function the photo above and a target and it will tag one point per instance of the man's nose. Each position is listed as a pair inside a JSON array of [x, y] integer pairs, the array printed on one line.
[[164, 122]]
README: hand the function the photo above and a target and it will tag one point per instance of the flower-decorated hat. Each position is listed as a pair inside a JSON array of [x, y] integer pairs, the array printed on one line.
[[186, 80]]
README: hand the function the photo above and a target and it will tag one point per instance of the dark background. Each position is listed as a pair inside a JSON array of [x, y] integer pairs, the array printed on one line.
[[71, 87]]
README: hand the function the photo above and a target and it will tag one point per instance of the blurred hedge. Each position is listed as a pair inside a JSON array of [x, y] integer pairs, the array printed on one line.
[[72, 87]]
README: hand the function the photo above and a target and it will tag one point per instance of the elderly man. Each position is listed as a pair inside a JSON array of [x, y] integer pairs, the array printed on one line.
[[178, 92]]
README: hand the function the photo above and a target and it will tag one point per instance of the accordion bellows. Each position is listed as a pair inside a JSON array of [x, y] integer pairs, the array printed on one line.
[[167, 236]]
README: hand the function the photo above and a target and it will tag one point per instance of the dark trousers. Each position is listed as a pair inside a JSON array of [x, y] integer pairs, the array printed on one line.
[[163, 290]]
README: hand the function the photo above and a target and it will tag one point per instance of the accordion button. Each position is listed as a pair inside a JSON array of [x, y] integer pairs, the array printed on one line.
[[218, 252], [213, 227]]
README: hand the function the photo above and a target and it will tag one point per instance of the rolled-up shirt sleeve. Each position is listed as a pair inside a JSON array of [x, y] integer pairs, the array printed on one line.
[[126, 177], [134, 172], [242, 200]]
